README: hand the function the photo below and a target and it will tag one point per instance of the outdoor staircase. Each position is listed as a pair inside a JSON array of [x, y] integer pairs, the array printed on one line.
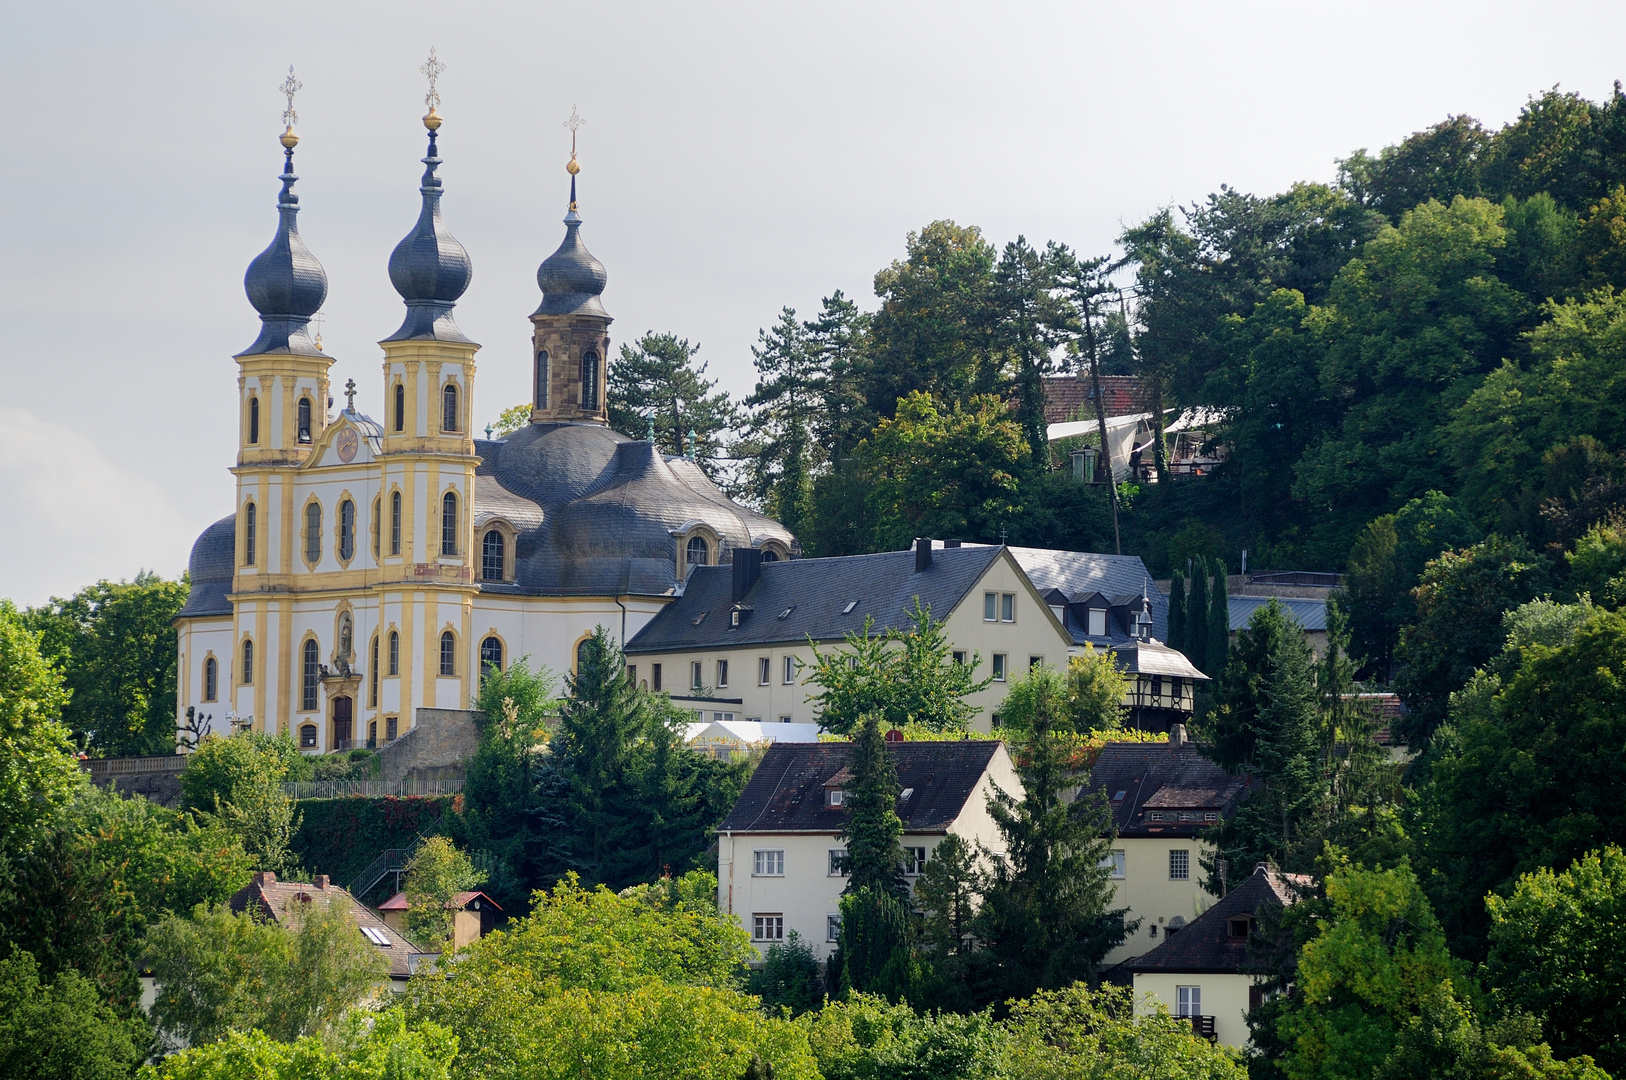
[[390, 861]]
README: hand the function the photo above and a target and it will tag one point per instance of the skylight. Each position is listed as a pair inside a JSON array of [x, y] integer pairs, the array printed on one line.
[[376, 936], [848, 610], [1120, 796], [786, 613], [700, 618]]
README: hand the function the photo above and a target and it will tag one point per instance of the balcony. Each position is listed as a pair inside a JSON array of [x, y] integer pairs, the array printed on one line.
[[1203, 1027]]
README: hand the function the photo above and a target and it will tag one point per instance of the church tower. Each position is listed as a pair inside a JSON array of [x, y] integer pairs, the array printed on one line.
[[571, 341], [282, 397], [427, 469]]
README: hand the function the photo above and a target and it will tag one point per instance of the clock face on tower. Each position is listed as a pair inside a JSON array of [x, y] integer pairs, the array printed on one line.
[[346, 444]]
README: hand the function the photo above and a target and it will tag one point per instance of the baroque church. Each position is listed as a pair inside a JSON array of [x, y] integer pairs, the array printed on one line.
[[371, 568]]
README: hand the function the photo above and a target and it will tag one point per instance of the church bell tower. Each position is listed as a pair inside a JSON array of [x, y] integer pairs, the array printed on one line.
[[571, 341]]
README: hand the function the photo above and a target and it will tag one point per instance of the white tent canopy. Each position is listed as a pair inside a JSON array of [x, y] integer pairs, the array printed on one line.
[[1121, 432]]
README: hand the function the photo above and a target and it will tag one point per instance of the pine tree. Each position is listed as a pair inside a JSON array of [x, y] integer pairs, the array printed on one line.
[[836, 337], [601, 723], [875, 952], [785, 405], [1195, 643], [670, 795], [1045, 920], [1177, 610], [658, 376], [874, 858], [1219, 622]]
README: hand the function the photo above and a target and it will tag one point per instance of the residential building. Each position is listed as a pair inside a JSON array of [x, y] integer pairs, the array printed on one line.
[[367, 568], [724, 739], [779, 847], [474, 916], [746, 632], [1203, 971], [1162, 797], [281, 901], [1108, 602]]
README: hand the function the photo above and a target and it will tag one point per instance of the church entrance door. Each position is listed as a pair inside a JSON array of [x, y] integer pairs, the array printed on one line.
[[341, 723]]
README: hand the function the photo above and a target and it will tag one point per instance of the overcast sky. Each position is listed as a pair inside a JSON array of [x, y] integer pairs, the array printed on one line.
[[736, 158]]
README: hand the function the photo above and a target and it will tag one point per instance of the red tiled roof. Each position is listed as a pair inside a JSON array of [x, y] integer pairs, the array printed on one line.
[[398, 902], [1067, 397], [273, 899]]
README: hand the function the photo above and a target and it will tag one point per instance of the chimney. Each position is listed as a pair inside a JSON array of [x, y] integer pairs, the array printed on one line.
[[951, 543], [320, 881], [1177, 735], [747, 568], [264, 877], [923, 554]]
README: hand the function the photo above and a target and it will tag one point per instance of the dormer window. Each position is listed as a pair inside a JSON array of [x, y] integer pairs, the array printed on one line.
[[697, 552], [834, 796], [1238, 927], [1157, 815], [1097, 622]]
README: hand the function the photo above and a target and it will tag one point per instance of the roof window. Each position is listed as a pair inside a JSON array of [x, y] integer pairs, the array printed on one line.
[[700, 618], [903, 796], [1120, 796], [786, 613], [376, 936], [848, 610]]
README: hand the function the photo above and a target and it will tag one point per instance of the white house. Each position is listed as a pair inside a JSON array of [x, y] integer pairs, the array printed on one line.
[[778, 849], [1203, 971], [1162, 796]]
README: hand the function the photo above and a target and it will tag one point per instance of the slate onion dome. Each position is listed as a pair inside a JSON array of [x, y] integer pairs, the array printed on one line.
[[571, 279], [285, 283], [429, 268]]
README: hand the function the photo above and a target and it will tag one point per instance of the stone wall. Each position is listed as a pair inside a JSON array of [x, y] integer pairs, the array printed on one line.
[[157, 777], [439, 744]]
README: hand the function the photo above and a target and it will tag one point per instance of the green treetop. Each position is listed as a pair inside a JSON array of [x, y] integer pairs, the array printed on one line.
[[872, 830], [658, 376]]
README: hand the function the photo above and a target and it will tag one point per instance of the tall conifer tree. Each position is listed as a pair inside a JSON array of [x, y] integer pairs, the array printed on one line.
[[1177, 610], [1219, 622], [1195, 645], [874, 857]]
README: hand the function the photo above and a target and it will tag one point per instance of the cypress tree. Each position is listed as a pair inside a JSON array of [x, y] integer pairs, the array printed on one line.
[[1219, 622], [1195, 645], [1177, 610], [873, 829]]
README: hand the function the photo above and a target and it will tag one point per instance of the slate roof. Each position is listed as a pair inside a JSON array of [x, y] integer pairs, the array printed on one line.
[[1155, 658], [1175, 776], [272, 899], [213, 561], [1309, 614], [1079, 574], [1205, 945], [786, 793], [814, 592]]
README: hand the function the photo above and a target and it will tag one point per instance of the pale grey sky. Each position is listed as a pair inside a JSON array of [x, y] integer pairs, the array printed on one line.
[[737, 157]]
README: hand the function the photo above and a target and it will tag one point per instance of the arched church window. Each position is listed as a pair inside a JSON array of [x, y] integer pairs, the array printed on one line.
[[491, 556], [249, 526], [448, 654], [448, 408], [581, 653], [211, 679], [395, 653], [490, 655], [400, 407], [248, 661], [542, 379], [304, 419], [770, 555], [448, 524], [307, 737], [313, 532], [311, 672], [698, 552], [253, 419], [347, 530], [372, 676], [590, 381], [395, 523]]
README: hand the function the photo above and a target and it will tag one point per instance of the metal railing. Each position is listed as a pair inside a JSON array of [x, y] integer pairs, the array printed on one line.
[[390, 861], [157, 763], [1203, 1027], [372, 789]]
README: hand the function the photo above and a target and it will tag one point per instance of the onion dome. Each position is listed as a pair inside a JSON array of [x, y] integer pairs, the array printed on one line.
[[571, 279], [429, 268], [285, 283]]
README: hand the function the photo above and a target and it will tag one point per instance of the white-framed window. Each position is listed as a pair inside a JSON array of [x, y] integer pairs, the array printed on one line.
[[914, 861], [832, 926], [764, 670], [784, 719], [722, 716], [1034, 661], [1179, 864], [769, 863], [790, 670], [999, 667], [835, 797], [838, 859], [695, 676], [768, 927], [990, 607], [722, 673], [1210, 815], [1007, 607], [959, 656], [1188, 1001], [1097, 622], [1114, 864]]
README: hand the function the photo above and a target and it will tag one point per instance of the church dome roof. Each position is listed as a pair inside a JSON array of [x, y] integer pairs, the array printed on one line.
[[571, 279], [429, 268], [284, 282], [211, 566]]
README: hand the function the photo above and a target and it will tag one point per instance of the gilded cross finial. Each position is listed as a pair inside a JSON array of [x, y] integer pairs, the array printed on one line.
[[432, 68], [350, 395], [575, 124]]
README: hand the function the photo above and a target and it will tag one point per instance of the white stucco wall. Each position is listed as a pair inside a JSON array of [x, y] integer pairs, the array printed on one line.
[[1224, 997], [1151, 895]]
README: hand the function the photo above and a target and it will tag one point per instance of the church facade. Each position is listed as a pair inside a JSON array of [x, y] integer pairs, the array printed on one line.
[[373, 567]]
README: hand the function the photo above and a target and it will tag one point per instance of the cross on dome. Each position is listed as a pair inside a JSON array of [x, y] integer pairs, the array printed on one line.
[[432, 68], [350, 395], [290, 86]]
